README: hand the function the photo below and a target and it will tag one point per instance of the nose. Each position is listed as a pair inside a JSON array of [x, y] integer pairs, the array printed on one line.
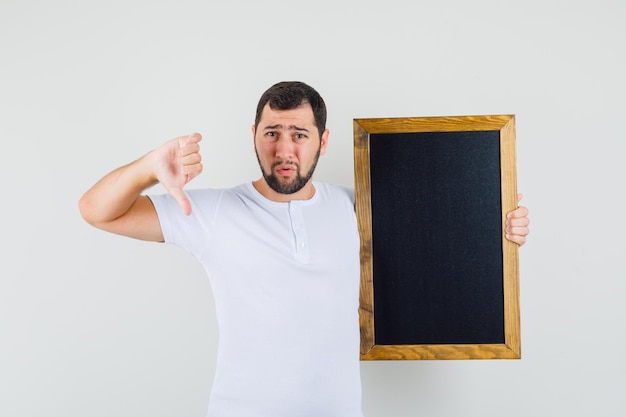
[[284, 148]]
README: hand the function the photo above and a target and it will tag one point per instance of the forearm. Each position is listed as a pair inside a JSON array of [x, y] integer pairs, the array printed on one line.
[[115, 193]]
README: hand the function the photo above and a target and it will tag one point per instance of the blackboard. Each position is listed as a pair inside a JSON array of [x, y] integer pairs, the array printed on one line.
[[438, 279]]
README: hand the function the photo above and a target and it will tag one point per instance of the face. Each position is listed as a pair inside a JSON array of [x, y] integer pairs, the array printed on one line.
[[288, 145]]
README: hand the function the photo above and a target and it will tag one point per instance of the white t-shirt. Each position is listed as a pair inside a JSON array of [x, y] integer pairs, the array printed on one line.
[[285, 277]]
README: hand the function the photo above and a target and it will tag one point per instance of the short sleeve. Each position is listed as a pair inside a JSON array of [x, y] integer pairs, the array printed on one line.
[[191, 233]]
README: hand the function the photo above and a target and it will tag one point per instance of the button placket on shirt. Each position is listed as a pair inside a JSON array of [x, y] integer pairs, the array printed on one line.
[[299, 231]]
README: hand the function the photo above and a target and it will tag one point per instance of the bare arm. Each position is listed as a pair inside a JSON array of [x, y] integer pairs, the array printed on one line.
[[115, 203]]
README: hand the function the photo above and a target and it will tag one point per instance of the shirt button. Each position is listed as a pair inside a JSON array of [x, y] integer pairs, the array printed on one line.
[[301, 244]]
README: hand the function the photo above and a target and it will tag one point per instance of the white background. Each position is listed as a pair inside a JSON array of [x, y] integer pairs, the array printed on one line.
[[93, 324]]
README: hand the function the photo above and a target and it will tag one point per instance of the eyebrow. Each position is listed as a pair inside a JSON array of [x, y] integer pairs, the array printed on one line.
[[291, 127]]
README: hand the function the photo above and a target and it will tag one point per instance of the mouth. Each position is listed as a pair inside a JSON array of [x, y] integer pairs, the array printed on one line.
[[285, 169]]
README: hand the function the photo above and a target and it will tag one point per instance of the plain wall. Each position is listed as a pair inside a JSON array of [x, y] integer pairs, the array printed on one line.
[[93, 324]]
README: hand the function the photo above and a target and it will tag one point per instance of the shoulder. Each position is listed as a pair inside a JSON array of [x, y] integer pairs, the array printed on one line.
[[216, 193], [202, 199], [335, 191]]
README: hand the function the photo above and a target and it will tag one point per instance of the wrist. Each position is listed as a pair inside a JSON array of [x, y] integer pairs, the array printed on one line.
[[147, 169]]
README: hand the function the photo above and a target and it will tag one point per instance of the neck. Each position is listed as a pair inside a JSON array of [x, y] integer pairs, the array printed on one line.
[[305, 193]]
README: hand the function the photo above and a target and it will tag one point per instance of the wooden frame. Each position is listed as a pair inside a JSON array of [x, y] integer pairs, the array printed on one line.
[[364, 131]]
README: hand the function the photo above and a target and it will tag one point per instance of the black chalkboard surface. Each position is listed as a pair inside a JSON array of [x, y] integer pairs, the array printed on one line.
[[439, 281]]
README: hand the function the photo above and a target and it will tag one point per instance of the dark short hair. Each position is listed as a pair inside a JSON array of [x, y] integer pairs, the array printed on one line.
[[288, 95]]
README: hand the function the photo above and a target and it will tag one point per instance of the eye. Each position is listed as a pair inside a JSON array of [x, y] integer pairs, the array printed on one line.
[[299, 136], [271, 135]]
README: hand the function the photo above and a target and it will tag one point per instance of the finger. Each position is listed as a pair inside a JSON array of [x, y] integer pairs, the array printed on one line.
[[518, 222], [191, 159], [189, 148], [518, 213], [195, 137], [517, 231], [192, 170], [185, 140], [179, 195], [520, 240], [519, 197]]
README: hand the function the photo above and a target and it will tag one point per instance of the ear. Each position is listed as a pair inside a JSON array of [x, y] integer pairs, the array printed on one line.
[[324, 141], [254, 137]]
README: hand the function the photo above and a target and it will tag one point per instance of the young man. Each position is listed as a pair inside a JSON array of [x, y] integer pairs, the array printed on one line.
[[281, 253]]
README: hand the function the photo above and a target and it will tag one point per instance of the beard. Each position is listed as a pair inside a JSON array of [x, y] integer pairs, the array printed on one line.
[[288, 186]]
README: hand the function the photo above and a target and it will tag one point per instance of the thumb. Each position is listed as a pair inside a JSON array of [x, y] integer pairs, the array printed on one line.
[[179, 195]]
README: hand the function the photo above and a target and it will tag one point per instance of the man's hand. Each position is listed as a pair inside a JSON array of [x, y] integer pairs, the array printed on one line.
[[517, 224], [178, 161]]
